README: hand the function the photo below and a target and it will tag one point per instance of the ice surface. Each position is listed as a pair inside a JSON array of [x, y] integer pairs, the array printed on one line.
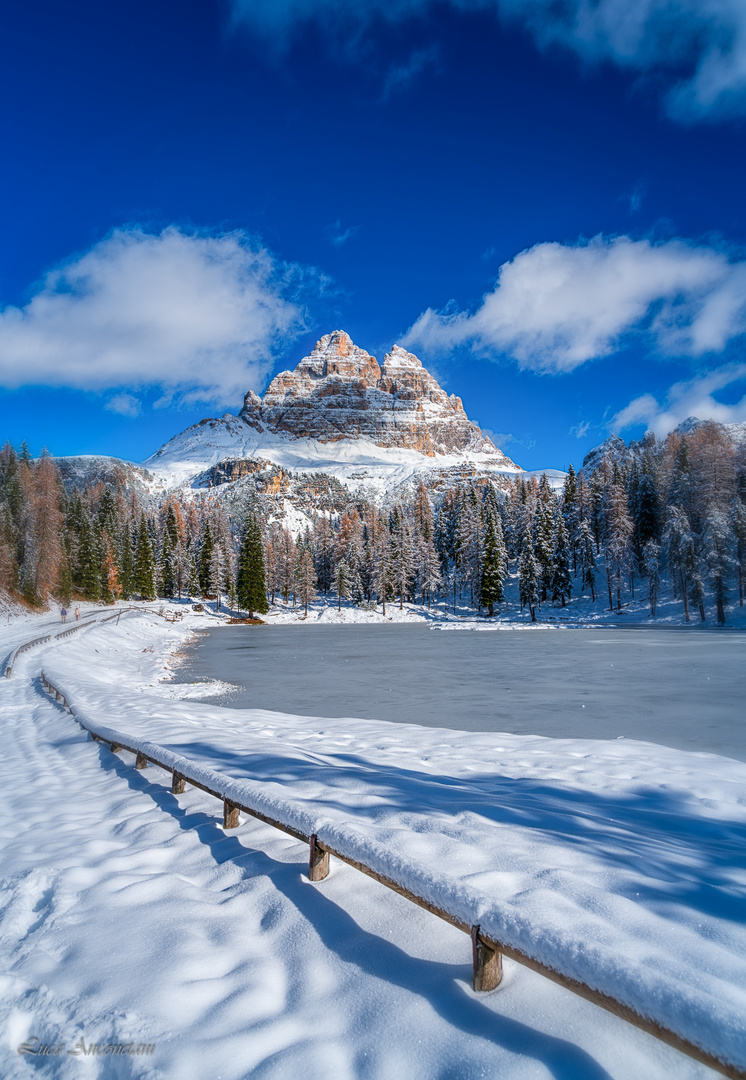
[[683, 689]]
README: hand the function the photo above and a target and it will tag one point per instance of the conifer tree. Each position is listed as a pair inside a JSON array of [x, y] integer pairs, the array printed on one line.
[[680, 551], [306, 575], [251, 588], [402, 555], [717, 541], [342, 582], [493, 562], [651, 569], [109, 572], [126, 564], [167, 568], [587, 558], [89, 559], [738, 518], [193, 587], [543, 541], [144, 571], [528, 576], [205, 559], [382, 570], [561, 580]]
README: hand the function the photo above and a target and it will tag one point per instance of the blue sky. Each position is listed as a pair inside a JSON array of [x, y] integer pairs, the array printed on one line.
[[549, 213]]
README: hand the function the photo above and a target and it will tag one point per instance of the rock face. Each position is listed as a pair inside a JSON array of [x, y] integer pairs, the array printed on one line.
[[341, 392]]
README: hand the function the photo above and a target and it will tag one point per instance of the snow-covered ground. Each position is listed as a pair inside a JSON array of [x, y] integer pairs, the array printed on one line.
[[129, 916]]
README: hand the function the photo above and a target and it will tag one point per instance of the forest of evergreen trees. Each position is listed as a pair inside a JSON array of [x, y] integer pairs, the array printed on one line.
[[662, 519]]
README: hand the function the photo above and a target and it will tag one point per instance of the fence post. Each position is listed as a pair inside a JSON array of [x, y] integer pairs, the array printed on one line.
[[318, 863], [114, 747], [488, 963], [177, 784], [141, 762], [230, 815]]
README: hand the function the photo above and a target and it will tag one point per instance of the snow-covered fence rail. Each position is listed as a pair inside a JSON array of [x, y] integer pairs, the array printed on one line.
[[22, 649], [489, 942], [85, 625]]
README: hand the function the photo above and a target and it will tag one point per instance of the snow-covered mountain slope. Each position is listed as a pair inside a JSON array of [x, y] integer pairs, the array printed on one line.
[[371, 427]]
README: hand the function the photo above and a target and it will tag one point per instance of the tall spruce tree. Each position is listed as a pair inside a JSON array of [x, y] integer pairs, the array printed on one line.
[[144, 570], [561, 579], [251, 587], [494, 560]]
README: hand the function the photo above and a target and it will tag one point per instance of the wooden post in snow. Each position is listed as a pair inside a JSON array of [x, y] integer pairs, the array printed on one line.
[[115, 748], [142, 762], [488, 963], [230, 815], [318, 865], [177, 784]]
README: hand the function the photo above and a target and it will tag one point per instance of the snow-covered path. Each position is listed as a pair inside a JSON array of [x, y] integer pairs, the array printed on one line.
[[129, 914]]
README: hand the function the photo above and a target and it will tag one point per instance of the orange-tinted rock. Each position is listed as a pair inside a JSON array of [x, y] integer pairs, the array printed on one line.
[[340, 392]]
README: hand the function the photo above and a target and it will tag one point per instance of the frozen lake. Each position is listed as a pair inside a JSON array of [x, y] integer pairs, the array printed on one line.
[[685, 689]]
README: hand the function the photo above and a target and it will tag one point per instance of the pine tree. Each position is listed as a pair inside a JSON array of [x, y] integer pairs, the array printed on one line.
[[126, 564], [144, 572], [561, 580], [618, 541], [428, 569], [493, 562], [193, 587], [738, 519], [402, 555], [251, 588], [382, 570], [528, 579], [651, 569], [205, 559], [717, 542], [89, 560], [543, 540], [680, 552], [587, 558], [306, 575], [109, 572], [167, 567], [342, 582]]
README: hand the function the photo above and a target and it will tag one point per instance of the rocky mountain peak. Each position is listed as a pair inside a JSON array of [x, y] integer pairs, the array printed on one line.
[[339, 391]]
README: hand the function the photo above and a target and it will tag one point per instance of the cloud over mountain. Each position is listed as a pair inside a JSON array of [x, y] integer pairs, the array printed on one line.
[[557, 306], [200, 316]]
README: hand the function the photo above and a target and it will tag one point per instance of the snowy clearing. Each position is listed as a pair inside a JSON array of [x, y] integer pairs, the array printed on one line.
[[129, 914]]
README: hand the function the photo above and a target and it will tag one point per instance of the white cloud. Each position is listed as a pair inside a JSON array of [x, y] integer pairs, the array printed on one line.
[[697, 46], [200, 316], [558, 306], [580, 430], [125, 404], [694, 397]]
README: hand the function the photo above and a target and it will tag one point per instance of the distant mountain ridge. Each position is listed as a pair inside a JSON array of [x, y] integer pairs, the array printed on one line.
[[616, 449]]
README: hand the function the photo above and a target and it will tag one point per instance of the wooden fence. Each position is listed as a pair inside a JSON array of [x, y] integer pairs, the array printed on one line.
[[487, 952]]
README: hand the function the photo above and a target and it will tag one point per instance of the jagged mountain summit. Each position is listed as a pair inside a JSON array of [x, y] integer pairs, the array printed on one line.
[[341, 392], [340, 412]]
